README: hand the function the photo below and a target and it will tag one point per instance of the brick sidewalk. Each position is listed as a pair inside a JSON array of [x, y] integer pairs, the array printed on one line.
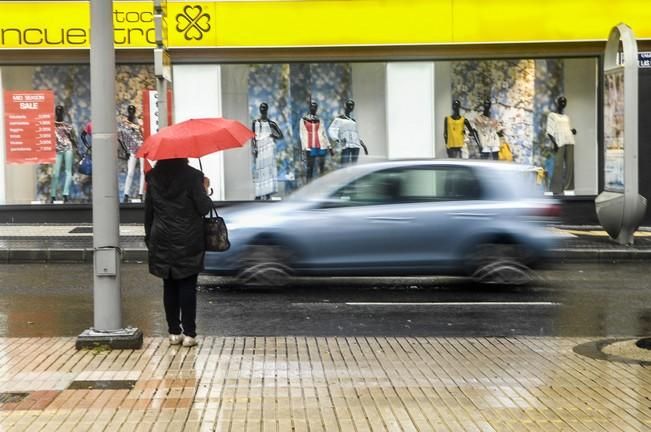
[[321, 384]]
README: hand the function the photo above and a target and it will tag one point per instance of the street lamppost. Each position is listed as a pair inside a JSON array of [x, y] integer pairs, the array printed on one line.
[[162, 62], [107, 328]]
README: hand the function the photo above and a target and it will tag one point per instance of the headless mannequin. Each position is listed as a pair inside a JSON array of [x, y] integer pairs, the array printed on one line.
[[314, 141], [66, 142], [130, 138], [343, 130], [558, 128], [488, 132], [454, 141], [263, 146]]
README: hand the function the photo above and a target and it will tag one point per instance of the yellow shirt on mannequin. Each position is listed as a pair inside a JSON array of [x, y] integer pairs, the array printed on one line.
[[455, 132]]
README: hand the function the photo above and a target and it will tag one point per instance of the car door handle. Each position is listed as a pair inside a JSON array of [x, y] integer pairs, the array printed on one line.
[[473, 215], [389, 219]]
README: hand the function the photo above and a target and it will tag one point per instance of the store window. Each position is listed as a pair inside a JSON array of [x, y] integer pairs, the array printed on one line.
[[59, 176], [313, 118], [402, 110]]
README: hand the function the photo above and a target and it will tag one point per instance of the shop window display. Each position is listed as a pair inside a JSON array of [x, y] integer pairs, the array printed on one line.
[[493, 102], [294, 94], [519, 94], [62, 180], [497, 104]]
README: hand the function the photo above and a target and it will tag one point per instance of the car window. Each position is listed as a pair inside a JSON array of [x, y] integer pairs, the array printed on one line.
[[382, 187], [410, 184], [439, 184]]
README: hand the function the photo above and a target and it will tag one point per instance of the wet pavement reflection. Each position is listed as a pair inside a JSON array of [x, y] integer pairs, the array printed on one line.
[[593, 300]]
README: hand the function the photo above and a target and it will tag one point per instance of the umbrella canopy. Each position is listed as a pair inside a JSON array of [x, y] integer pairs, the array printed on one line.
[[194, 138]]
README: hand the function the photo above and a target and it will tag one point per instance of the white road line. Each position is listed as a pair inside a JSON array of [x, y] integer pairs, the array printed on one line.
[[453, 304]]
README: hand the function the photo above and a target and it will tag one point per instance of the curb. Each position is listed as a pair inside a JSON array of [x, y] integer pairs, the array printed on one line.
[[66, 256], [139, 255], [601, 255]]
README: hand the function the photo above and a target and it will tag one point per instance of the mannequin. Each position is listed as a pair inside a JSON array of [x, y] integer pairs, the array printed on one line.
[[561, 134], [86, 132], [263, 146], [343, 131], [488, 133], [66, 141], [454, 130], [314, 141], [130, 138]]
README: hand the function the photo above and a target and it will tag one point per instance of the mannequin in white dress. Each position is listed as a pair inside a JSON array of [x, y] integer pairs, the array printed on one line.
[[263, 147]]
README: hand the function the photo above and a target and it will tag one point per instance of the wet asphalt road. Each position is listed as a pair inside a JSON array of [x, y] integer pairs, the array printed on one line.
[[570, 300]]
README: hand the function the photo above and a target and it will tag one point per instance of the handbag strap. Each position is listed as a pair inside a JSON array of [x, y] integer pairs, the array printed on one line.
[[213, 209]]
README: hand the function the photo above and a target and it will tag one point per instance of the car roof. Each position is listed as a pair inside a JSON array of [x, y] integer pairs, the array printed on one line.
[[397, 163], [335, 179]]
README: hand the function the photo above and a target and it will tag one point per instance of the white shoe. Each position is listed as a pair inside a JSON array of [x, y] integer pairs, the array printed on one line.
[[189, 341], [175, 339]]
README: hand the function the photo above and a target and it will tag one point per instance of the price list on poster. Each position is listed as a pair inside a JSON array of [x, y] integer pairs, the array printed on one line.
[[29, 126]]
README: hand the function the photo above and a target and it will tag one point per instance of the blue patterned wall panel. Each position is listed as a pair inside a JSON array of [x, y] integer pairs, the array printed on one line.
[[520, 91]]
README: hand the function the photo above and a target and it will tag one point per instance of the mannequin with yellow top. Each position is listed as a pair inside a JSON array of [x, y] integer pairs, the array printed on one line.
[[454, 131]]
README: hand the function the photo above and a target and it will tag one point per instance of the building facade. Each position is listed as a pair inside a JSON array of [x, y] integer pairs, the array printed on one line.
[[402, 63]]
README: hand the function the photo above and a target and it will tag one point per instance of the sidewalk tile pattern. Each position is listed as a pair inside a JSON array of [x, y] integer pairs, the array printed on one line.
[[324, 384]]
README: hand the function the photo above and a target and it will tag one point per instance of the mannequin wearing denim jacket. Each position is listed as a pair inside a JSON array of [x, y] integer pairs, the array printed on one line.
[[66, 143]]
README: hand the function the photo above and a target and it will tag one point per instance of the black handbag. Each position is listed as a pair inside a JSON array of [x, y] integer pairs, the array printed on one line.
[[216, 233]]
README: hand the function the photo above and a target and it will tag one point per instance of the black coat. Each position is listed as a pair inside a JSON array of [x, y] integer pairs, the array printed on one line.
[[175, 204]]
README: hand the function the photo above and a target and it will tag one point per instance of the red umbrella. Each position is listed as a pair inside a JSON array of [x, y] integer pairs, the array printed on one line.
[[194, 138]]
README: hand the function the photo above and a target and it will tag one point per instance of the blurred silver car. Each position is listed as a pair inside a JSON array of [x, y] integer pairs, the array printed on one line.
[[480, 219]]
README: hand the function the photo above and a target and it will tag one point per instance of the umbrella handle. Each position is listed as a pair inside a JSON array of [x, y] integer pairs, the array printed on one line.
[[201, 168]]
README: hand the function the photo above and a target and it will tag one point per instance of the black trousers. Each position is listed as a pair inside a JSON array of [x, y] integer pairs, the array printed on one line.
[[491, 155], [320, 161], [180, 300], [349, 156], [454, 153]]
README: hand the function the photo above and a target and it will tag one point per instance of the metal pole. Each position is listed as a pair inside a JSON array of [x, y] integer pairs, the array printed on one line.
[[162, 66], [107, 329], [106, 216], [161, 89]]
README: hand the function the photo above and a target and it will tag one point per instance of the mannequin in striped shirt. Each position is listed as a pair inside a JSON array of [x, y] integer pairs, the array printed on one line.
[[314, 141]]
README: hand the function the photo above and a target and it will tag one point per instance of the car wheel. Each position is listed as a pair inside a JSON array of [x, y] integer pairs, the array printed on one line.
[[498, 264], [265, 265]]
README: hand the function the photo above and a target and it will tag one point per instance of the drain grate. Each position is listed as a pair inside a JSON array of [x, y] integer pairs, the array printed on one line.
[[12, 397], [81, 230], [103, 385]]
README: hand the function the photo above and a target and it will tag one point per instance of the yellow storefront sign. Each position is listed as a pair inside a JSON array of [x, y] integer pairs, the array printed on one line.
[[274, 23]]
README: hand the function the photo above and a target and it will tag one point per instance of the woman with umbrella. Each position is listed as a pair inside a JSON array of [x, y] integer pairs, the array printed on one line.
[[175, 205]]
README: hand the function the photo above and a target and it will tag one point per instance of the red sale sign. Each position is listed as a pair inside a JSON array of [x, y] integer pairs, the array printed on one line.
[[29, 127]]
